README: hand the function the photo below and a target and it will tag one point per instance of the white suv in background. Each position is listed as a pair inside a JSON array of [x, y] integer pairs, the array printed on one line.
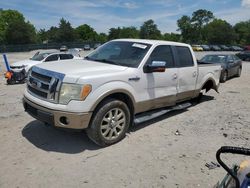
[[40, 57]]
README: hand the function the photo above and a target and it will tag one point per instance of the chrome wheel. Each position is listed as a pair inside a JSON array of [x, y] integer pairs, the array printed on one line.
[[113, 123], [224, 77], [239, 72]]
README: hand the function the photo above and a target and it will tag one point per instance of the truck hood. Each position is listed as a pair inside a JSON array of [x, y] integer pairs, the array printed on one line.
[[75, 69], [25, 62]]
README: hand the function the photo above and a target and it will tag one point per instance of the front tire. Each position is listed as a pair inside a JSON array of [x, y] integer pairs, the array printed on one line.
[[239, 72], [10, 82], [109, 123], [224, 77]]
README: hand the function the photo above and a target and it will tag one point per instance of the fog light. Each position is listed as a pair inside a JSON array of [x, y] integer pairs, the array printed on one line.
[[64, 120]]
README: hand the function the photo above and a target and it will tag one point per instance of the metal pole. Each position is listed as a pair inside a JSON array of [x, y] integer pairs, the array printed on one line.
[[6, 62]]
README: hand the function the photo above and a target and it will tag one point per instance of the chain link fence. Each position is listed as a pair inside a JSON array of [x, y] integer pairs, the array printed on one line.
[[30, 47]]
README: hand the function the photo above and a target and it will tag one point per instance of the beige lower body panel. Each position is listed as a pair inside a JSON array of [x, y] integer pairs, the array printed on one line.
[[70, 120], [155, 103]]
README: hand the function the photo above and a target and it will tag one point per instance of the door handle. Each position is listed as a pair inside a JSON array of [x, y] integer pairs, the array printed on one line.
[[134, 78]]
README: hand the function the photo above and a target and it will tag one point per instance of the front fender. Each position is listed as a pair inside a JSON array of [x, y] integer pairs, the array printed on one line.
[[111, 88]]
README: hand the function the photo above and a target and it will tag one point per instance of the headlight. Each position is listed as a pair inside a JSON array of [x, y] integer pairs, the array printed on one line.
[[70, 92]]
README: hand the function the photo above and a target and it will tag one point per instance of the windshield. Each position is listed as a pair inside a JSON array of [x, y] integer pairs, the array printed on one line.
[[214, 59], [122, 53], [39, 56]]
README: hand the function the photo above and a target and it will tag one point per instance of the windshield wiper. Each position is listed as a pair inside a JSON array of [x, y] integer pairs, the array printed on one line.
[[103, 61], [108, 61]]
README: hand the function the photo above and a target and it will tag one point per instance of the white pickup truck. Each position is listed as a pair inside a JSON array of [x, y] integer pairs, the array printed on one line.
[[123, 78]]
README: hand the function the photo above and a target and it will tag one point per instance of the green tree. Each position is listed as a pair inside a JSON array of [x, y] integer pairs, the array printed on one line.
[[102, 37], [114, 33], [200, 18], [129, 32], [52, 34], [20, 33], [172, 37], [186, 28], [242, 30], [192, 27], [65, 32], [149, 30], [42, 35], [86, 33], [219, 32], [14, 29]]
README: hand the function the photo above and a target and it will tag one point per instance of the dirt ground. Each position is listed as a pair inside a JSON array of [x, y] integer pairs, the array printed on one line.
[[151, 155]]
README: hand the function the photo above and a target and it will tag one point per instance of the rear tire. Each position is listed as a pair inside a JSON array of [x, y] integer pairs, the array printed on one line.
[[10, 82], [109, 123], [224, 77], [239, 72]]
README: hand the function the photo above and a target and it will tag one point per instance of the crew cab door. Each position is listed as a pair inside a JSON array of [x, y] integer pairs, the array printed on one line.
[[160, 87], [187, 73]]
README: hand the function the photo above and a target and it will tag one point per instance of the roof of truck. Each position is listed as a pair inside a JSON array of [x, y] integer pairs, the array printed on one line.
[[153, 42]]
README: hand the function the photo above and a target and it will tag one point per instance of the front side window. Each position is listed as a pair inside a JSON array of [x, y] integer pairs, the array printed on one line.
[[39, 56], [185, 57], [230, 59], [162, 53], [123, 53]]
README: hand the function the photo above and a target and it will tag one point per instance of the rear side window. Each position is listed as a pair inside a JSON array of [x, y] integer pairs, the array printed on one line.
[[66, 56], [185, 57], [52, 58], [162, 53], [236, 58]]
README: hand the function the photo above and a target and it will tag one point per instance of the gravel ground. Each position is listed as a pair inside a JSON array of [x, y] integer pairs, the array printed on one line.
[[151, 155]]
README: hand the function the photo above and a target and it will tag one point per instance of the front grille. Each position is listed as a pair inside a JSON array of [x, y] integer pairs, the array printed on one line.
[[37, 92], [44, 84], [40, 76]]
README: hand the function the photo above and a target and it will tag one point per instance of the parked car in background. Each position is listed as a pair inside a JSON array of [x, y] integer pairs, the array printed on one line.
[[63, 48], [231, 64], [40, 57], [205, 47], [215, 48], [236, 48], [97, 45], [75, 51], [244, 56], [224, 47], [86, 47], [247, 48], [197, 48]]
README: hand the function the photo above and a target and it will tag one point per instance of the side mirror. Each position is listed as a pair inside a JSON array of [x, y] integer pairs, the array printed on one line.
[[155, 66], [231, 61]]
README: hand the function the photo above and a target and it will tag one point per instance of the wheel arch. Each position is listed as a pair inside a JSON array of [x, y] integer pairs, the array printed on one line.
[[209, 84], [118, 94]]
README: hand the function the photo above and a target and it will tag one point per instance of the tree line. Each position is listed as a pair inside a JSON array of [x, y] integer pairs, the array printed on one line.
[[200, 28]]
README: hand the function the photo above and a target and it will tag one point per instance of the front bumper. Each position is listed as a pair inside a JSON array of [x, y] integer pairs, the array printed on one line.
[[56, 118]]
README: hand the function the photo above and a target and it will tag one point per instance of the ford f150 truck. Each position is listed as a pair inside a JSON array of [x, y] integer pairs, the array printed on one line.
[[119, 80]]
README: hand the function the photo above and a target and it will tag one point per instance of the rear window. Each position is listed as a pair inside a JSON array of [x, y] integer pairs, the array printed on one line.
[[66, 56], [185, 57]]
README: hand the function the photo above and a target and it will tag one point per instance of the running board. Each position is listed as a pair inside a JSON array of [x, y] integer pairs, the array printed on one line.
[[146, 116]]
